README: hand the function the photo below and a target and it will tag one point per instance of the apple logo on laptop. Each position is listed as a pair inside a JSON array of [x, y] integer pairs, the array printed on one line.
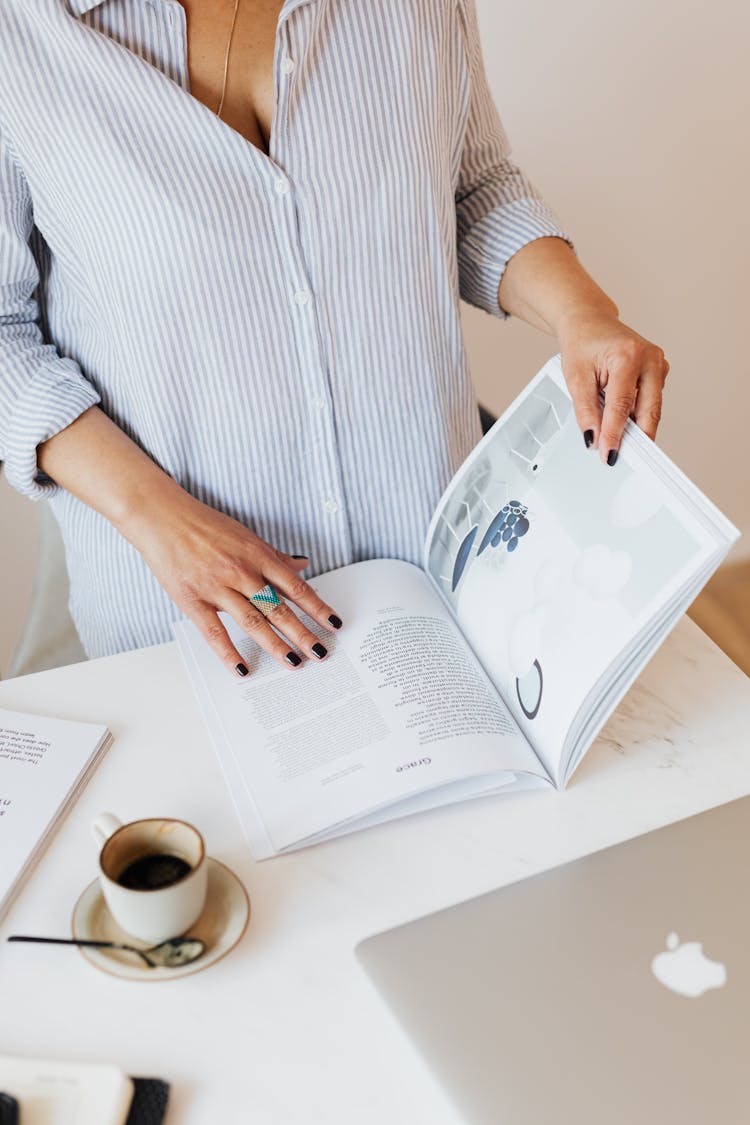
[[686, 969]]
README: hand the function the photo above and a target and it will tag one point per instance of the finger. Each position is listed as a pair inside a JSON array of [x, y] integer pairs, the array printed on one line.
[[296, 562], [584, 391], [283, 619], [252, 621], [619, 400], [207, 621], [295, 589], [650, 392], [648, 403]]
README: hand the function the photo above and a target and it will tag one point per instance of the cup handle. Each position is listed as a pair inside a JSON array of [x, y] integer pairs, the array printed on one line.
[[104, 826]]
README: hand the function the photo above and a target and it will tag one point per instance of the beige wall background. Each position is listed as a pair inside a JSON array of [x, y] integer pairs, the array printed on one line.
[[17, 564], [632, 120]]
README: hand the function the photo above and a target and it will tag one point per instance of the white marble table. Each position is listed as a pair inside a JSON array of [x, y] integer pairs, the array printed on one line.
[[287, 1030]]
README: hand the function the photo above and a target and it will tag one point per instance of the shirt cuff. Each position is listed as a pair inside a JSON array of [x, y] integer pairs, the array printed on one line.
[[488, 246], [49, 403]]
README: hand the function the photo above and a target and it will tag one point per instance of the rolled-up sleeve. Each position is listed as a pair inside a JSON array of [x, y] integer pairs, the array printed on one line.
[[498, 210], [41, 392]]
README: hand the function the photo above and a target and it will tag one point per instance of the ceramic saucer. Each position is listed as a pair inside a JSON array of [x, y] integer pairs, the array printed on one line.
[[221, 925]]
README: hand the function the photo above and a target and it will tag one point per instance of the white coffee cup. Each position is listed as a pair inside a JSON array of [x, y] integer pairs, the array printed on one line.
[[155, 914]]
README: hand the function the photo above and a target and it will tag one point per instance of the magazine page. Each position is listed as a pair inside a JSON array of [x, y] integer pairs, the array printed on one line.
[[43, 764], [399, 707], [249, 816], [553, 563]]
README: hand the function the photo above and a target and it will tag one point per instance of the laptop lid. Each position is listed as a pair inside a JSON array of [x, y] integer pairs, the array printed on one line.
[[612, 990]]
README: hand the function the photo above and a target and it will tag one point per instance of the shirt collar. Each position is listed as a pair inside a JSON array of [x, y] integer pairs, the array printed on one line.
[[78, 7]]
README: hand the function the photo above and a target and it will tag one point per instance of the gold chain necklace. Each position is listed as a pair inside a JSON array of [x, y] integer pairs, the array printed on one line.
[[226, 58]]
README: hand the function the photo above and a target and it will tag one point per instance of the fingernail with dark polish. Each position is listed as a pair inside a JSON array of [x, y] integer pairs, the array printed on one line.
[[611, 456], [319, 651], [241, 669], [300, 556], [293, 659], [335, 621], [588, 437]]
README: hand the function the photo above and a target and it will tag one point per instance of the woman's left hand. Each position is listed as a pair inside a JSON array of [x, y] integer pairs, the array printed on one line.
[[599, 352]]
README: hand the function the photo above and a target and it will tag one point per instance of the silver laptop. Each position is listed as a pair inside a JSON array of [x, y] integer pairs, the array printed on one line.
[[614, 990]]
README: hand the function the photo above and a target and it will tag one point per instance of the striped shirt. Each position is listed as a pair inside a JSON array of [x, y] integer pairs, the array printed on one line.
[[280, 332]]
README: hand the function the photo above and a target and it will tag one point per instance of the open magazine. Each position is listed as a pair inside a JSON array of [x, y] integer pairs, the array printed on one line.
[[548, 581]]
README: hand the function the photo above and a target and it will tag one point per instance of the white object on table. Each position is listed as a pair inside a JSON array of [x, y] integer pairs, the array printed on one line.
[[60, 1093], [287, 1030], [44, 764]]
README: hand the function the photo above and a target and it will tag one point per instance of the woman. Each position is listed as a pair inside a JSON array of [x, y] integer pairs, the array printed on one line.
[[233, 237]]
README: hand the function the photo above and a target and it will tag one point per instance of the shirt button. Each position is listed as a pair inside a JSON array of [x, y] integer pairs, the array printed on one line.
[[288, 65], [302, 296], [281, 187], [331, 506], [318, 403]]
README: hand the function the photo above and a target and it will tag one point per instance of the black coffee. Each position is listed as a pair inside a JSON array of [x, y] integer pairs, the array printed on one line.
[[151, 872]]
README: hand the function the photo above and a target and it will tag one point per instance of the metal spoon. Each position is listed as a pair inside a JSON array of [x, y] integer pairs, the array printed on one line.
[[166, 955]]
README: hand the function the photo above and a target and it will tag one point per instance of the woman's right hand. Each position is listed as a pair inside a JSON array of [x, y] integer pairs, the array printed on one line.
[[207, 561]]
